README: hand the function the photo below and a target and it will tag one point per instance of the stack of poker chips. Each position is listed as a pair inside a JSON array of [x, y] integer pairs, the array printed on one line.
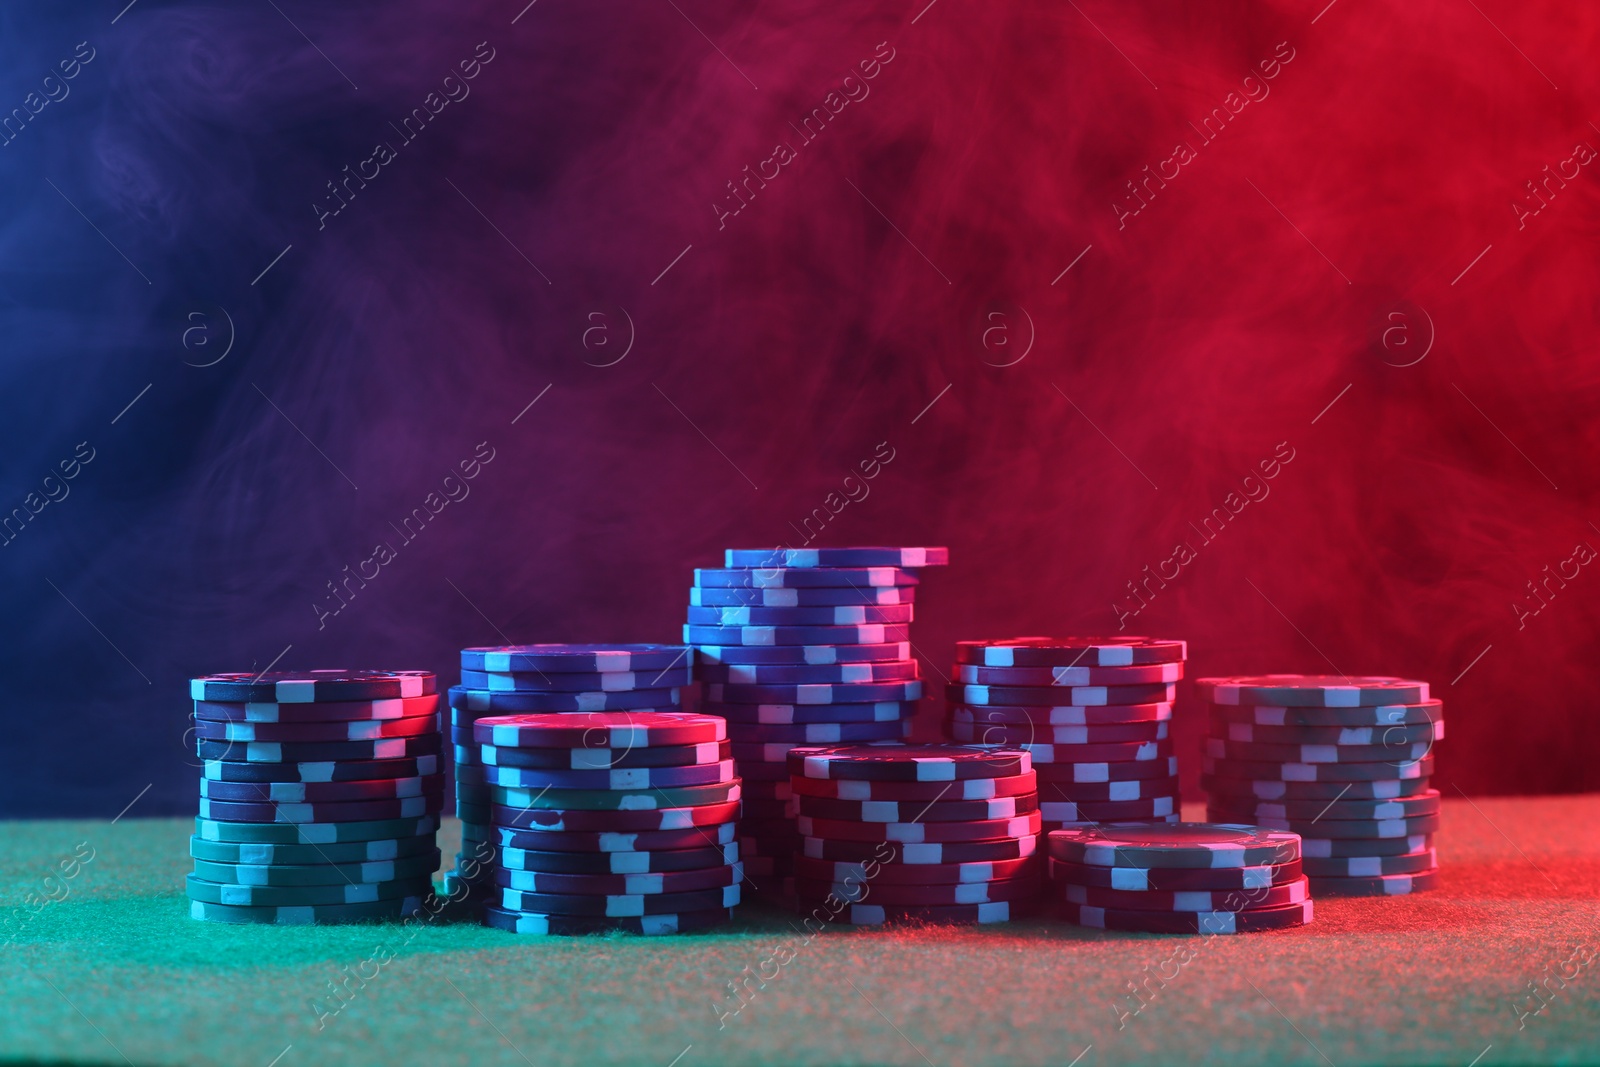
[[1342, 761], [320, 796], [803, 647], [641, 843], [542, 678], [1187, 878], [1093, 712], [915, 833]]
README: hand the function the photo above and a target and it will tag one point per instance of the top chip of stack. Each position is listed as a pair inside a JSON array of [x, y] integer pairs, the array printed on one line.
[[803, 647], [320, 796], [614, 820], [1344, 761], [1184, 878], [915, 833], [543, 678], [1094, 713]]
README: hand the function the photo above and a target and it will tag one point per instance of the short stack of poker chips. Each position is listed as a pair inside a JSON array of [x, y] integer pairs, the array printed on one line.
[[1342, 761], [803, 647], [1179, 878], [320, 796], [642, 842], [1093, 712], [543, 678], [915, 833]]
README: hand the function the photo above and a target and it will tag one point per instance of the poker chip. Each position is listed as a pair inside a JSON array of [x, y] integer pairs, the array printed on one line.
[[768, 790], [349, 811], [599, 841], [276, 896], [814, 693], [1015, 785], [1112, 752], [1419, 862], [618, 905], [803, 578], [965, 721], [1311, 690], [940, 853], [872, 634], [1025, 825], [1104, 772], [513, 693], [1424, 803], [952, 915], [314, 833], [304, 687], [1062, 714], [614, 820], [1175, 879], [1387, 736], [613, 729], [1179, 845], [602, 759], [909, 763], [807, 674], [800, 714], [1073, 676], [540, 925], [1048, 696], [320, 751], [1101, 792], [915, 811], [650, 682], [802, 655], [1426, 711], [1219, 748], [764, 558], [1114, 651], [1318, 772], [304, 916], [919, 874], [1069, 811], [1277, 895], [921, 896], [575, 659], [813, 733], [1386, 885], [422, 865], [319, 712], [765, 809], [649, 884], [355, 730], [262, 854], [1340, 828], [223, 770], [663, 861], [821, 596], [825, 615], [776, 751], [1278, 789], [618, 778], [1336, 847], [1190, 922], [321, 792]]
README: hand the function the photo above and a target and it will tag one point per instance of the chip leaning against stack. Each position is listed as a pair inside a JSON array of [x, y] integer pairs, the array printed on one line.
[[1343, 761], [320, 796], [1094, 713], [1194, 878], [544, 678], [802, 647], [646, 849], [915, 833]]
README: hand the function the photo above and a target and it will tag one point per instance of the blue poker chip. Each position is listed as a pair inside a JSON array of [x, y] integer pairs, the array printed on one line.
[[791, 714], [821, 596], [511, 702], [629, 778], [580, 681], [827, 615], [836, 557], [802, 655], [872, 634], [815, 693], [904, 670], [564, 658], [804, 578], [814, 733], [320, 771], [305, 687]]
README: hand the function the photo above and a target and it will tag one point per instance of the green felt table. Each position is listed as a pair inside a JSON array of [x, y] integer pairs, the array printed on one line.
[[116, 972]]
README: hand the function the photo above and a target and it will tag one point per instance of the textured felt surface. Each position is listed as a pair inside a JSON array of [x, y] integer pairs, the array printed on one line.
[[115, 972]]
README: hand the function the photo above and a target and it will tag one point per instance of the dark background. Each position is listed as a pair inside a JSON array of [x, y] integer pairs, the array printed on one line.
[[1358, 217]]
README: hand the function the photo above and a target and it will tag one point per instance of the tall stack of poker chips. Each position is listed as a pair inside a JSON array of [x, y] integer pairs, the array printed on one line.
[[542, 678], [320, 796], [1187, 878], [1093, 712], [915, 833], [1342, 761], [798, 647], [641, 843]]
